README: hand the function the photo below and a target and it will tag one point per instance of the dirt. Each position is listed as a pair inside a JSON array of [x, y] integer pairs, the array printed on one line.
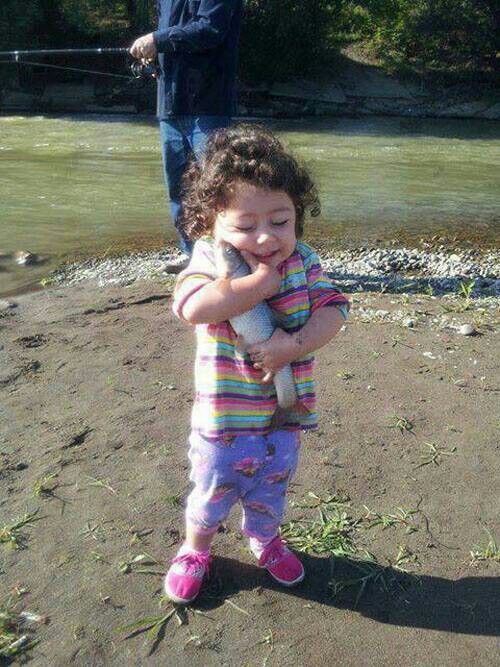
[[96, 387]]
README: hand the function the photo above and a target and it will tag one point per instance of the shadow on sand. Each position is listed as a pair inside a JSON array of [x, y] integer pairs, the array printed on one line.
[[470, 605]]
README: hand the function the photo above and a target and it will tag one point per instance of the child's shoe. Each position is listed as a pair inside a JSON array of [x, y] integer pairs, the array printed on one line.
[[185, 576], [281, 563]]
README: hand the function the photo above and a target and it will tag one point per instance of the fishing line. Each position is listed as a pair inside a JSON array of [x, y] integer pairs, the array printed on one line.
[[70, 69]]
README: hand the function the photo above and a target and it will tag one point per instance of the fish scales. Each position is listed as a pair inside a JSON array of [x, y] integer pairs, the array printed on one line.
[[257, 324]]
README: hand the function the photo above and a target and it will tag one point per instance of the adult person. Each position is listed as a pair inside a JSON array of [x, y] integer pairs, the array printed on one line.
[[197, 48]]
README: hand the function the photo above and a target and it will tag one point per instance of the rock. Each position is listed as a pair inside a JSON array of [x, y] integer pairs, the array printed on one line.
[[464, 110], [466, 330], [6, 305], [492, 113], [308, 90], [24, 257], [409, 323]]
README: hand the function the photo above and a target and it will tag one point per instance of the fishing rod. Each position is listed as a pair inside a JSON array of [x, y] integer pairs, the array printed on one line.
[[138, 68]]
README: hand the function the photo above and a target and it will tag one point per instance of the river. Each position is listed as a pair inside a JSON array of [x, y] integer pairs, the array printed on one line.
[[75, 186]]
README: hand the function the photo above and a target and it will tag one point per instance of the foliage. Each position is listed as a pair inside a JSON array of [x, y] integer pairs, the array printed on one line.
[[454, 35], [283, 38]]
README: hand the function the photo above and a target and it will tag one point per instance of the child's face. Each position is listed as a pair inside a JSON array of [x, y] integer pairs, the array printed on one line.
[[259, 221]]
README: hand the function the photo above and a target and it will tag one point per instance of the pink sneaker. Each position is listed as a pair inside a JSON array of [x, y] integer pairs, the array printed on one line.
[[185, 576], [281, 563]]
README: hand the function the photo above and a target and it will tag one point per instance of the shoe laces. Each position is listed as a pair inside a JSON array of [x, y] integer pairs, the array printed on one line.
[[274, 552], [194, 564]]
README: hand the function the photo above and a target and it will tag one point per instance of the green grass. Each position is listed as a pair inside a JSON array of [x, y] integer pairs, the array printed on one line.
[[401, 516], [435, 454], [45, 486], [16, 629], [172, 499], [13, 534], [489, 552], [401, 423]]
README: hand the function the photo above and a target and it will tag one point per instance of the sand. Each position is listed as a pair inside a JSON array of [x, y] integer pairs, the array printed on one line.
[[96, 389]]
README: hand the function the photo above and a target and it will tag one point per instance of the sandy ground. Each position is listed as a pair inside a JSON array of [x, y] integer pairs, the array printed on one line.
[[96, 389]]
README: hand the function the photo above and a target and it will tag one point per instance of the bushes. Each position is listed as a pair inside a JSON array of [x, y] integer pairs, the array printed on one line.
[[453, 35], [282, 38]]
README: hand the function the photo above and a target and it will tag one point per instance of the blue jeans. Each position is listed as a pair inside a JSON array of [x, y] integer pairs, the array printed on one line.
[[181, 138]]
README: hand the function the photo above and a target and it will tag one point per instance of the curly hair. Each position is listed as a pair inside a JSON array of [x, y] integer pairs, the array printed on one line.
[[242, 153]]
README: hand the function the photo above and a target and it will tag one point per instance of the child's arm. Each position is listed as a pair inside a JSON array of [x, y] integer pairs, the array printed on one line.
[[283, 348], [225, 298]]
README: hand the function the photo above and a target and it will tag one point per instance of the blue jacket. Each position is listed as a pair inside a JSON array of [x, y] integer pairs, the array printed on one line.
[[197, 43]]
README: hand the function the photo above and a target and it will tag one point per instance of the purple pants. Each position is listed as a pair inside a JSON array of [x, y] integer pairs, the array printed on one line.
[[254, 470]]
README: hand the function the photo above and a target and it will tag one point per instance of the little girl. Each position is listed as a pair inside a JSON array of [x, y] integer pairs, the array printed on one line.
[[248, 192]]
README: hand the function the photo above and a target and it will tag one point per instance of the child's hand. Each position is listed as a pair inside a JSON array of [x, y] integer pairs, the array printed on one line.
[[269, 275], [271, 355]]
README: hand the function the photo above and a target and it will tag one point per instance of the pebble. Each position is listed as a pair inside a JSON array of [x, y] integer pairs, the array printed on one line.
[[409, 323], [438, 270], [25, 257], [6, 305], [466, 330]]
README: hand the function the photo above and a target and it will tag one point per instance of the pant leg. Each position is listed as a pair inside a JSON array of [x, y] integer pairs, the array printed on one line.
[[176, 151], [264, 505], [203, 126]]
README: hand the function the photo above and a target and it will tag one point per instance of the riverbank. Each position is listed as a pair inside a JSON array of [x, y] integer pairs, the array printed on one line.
[[435, 268], [353, 88], [96, 391]]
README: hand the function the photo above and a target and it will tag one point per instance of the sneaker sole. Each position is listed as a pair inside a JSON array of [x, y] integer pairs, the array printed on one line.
[[289, 583]]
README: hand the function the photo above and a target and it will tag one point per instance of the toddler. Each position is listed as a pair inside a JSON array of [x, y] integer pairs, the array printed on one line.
[[249, 192]]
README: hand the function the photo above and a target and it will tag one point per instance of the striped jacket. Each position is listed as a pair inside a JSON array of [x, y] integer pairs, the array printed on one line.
[[230, 398]]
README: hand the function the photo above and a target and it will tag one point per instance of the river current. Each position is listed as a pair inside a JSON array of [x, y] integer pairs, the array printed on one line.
[[76, 186]]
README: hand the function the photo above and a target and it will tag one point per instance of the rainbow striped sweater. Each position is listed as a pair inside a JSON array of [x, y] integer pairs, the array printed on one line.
[[230, 398]]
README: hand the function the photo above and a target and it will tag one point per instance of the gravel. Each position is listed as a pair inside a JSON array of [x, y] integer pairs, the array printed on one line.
[[412, 270]]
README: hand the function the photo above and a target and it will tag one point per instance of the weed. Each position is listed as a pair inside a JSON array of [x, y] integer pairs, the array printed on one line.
[[45, 486], [127, 566], [345, 375], [94, 531], [386, 520], [435, 454], [163, 386], [404, 556], [46, 282], [465, 289], [173, 499], [429, 290], [15, 639], [98, 558], [330, 533], [11, 533], [400, 423], [490, 552], [101, 483]]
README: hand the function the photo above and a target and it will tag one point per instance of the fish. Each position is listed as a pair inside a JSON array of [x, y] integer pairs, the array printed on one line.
[[257, 324]]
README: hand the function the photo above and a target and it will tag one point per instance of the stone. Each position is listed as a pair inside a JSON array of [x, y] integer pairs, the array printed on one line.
[[464, 110], [309, 90], [25, 257], [491, 113], [466, 330], [6, 305]]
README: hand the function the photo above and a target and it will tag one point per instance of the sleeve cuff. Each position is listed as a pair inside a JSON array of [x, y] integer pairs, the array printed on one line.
[[162, 41]]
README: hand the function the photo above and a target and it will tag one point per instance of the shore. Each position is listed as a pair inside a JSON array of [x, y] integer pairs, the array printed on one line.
[[95, 392], [434, 268]]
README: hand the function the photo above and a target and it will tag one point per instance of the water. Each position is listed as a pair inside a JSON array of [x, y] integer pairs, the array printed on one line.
[[82, 185]]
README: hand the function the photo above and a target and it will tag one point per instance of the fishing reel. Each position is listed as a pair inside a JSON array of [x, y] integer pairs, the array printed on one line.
[[141, 69]]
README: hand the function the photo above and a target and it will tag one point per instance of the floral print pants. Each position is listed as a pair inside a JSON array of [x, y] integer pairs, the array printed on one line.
[[254, 470]]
